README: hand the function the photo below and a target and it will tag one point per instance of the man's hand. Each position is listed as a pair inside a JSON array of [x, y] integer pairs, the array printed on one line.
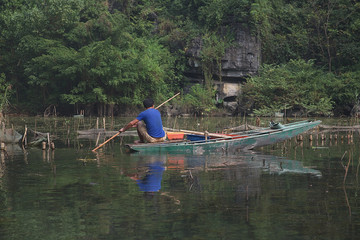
[[129, 125]]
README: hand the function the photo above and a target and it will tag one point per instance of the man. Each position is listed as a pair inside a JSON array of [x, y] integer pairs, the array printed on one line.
[[148, 123]]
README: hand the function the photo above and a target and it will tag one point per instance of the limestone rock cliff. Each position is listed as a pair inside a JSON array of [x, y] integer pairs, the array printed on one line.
[[240, 60]]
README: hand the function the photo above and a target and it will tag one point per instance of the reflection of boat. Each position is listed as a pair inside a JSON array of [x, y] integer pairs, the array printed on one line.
[[9, 136], [242, 171], [282, 166], [245, 159], [13, 149], [246, 140]]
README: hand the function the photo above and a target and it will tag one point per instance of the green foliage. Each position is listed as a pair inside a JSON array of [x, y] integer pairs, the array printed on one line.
[[4, 92], [282, 28], [76, 52], [99, 52], [214, 14], [327, 31], [199, 100], [211, 54], [296, 86], [346, 92]]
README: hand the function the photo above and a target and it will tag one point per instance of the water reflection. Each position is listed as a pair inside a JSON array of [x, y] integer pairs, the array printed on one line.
[[192, 191], [248, 160], [244, 170], [149, 179], [70, 193], [109, 195]]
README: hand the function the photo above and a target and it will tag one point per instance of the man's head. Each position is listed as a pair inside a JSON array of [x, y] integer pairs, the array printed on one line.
[[148, 103]]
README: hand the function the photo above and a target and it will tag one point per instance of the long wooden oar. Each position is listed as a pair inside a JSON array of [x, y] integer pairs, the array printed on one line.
[[199, 133], [120, 132]]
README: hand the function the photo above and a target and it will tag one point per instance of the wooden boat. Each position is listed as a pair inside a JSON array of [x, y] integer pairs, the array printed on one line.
[[245, 140]]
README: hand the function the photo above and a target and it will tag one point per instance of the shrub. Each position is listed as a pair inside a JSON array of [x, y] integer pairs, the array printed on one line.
[[199, 100], [296, 86]]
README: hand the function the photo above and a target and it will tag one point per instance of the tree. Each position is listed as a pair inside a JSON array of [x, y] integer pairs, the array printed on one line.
[[77, 52], [4, 93], [323, 30], [295, 86], [98, 54]]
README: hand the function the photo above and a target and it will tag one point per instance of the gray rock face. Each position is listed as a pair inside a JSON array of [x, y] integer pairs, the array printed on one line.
[[355, 112], [226, 91], [241, 60]]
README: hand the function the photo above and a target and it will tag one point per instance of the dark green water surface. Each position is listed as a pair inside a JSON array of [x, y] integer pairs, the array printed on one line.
[[291, 190]]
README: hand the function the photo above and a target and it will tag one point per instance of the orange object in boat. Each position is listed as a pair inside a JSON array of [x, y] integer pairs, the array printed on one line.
[[175, 135]]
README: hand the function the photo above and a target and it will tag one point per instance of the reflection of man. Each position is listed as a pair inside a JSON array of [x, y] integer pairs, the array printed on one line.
[[151, 128], [152, 180]]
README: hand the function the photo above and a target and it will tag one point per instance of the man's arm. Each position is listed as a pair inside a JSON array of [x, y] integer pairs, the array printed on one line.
[[129, 125]]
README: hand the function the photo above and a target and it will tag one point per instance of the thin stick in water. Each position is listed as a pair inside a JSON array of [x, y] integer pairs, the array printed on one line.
[[97, 139]]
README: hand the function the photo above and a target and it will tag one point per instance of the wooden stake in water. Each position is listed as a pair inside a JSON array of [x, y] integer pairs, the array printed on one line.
[[97, 139], [347, 169], [24, 141], [48, 137]]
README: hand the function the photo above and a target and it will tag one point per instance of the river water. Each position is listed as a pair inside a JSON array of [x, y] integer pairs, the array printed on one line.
[[297, 189]]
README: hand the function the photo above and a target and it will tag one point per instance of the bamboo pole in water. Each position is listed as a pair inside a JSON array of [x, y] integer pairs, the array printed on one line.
[[347, 169], [97, 139], [48, 137], [24, 141]]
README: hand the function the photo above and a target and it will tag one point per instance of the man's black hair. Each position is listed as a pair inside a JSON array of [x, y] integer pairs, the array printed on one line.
[[148, 103]]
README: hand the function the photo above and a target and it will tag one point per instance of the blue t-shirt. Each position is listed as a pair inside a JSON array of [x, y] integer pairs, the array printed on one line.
[[152, 119]]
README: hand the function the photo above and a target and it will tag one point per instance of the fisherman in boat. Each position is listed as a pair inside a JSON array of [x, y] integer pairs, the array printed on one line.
[[148, 123]]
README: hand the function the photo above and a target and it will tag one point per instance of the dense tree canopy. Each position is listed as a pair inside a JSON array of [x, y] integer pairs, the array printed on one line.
[[105, 56], [324, 30], [77, 52]]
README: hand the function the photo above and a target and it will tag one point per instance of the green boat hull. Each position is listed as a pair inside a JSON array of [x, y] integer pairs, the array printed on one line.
[[253, 139]]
